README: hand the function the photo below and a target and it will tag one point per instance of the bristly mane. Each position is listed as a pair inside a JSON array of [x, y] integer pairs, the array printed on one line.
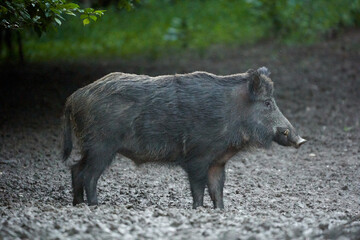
[[226, 80]]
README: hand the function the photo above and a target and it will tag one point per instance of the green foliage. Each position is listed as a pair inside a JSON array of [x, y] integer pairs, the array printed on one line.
[[145, 31], [178, 31], [305, 20], [40, 14], [160, 27], [127, 4], [90, 13]]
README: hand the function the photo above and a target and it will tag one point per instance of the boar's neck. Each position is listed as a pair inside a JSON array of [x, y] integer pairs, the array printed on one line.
[[238, 134]]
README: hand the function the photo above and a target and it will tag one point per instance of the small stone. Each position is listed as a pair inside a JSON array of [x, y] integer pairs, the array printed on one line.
[[230, 235], [312, 155], [178, 223], [206, 233], [323, 226]]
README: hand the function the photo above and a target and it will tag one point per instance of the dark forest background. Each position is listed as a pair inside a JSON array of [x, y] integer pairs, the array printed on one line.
[[43, 30]]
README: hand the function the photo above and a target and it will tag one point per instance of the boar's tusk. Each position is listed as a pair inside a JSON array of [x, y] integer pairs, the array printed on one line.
[[286, 132], [300, 142]]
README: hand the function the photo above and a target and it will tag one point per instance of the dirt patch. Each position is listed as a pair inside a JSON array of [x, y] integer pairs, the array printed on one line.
[[280, 193]]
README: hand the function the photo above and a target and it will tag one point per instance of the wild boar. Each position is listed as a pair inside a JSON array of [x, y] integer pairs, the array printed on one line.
[[197, 121]]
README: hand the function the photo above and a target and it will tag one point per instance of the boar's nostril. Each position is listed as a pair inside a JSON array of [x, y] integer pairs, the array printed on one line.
[[286, 132]]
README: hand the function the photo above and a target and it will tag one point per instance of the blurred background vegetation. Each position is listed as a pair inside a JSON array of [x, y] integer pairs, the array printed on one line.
[[154, 28]]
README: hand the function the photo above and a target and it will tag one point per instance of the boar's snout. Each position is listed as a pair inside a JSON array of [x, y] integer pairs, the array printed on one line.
[[288, 137]]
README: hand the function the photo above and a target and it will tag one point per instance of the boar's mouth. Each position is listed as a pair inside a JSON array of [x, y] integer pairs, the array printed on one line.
[[287, 137]]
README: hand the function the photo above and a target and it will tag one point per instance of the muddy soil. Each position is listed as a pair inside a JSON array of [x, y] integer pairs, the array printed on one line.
[[281, 193]]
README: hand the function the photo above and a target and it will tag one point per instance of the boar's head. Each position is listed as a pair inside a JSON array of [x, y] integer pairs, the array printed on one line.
[[264, 119]]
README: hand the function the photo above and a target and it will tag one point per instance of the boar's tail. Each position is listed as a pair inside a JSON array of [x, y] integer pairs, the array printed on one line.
[[67, 140]]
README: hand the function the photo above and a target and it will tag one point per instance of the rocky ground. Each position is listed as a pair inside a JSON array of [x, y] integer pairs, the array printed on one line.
[[281, 193]]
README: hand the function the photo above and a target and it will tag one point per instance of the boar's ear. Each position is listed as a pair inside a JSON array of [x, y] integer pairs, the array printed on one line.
[[255, 84], [264, 71]]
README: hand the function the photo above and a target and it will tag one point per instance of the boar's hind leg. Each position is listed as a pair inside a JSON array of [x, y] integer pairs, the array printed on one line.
[[216, 179], [96, 162], [77, 182]]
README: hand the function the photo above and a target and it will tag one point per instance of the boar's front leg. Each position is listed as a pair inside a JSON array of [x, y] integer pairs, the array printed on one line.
[[197, 173], [216, 180]]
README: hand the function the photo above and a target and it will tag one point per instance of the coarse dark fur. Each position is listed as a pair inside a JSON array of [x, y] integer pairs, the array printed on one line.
[[197, 120]]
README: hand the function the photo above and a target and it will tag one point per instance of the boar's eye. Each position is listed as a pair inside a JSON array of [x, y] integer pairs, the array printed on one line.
[[268, 104]]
